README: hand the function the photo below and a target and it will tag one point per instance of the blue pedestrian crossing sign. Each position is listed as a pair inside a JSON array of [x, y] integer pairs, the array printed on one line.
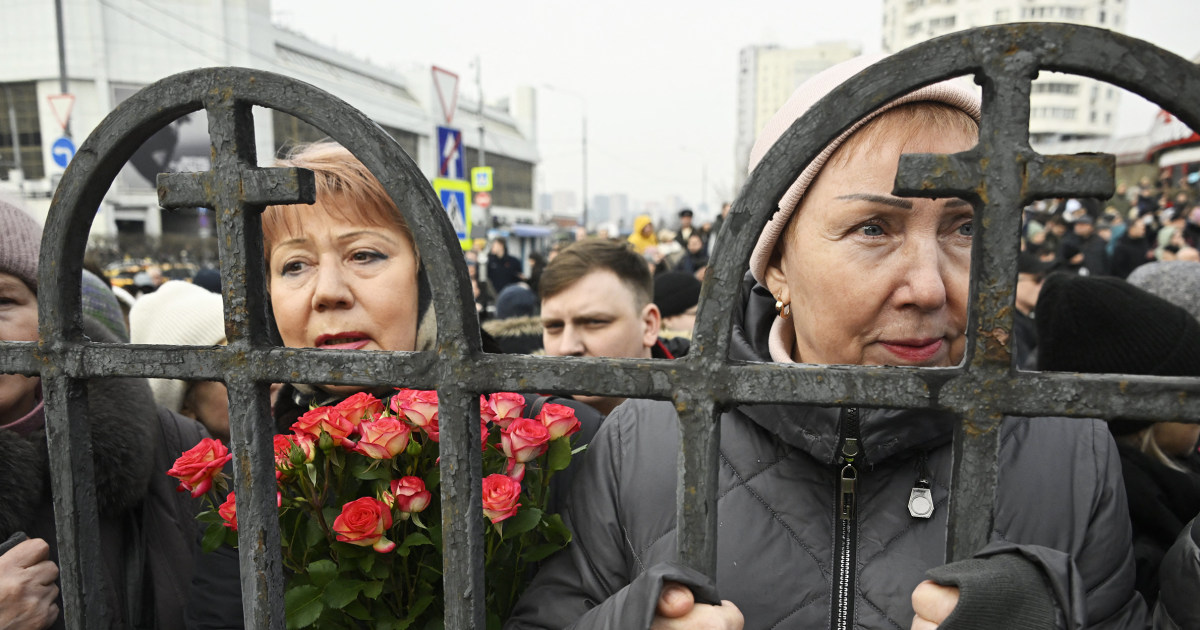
[[455, 195], [450, 153], [62, 151]]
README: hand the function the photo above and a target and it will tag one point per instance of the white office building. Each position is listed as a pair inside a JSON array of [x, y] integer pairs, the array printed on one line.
[[116, 47], [1062, 107], [767, 76]]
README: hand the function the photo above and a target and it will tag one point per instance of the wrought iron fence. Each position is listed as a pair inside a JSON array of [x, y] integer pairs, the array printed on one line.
[[999, 177]]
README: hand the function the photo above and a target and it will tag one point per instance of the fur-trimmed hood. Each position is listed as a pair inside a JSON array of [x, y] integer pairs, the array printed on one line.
[[122, 415]]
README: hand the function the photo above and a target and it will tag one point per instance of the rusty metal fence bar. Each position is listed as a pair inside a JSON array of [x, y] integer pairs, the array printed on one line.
[[999, 177]]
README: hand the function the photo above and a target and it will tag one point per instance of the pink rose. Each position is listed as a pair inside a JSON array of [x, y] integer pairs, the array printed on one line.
[[384, 438], [228, 512], [408, 495], [500, 496], [524, 439], [559, 420], [432, 429], [200, 465], [327, 419], [483, 434], [420, 407], [363, 523], [504, 407], [359, 407]]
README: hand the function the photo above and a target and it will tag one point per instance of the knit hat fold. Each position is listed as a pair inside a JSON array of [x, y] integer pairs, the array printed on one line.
[[1105, 325]]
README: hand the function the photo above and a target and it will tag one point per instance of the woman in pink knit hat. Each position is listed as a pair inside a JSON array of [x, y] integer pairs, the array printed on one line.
[[846, 272]]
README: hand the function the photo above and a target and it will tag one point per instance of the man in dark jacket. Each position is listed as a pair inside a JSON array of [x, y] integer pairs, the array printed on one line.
[[1083, 250], [503, 269], [1133, 249]]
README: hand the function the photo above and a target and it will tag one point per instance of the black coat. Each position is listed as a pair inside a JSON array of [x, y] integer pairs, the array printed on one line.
[[141, 514], [1161, 501], [1128, 254]]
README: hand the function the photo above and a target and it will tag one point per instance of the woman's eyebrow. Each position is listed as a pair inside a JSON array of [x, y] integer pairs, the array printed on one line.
[[887, 200], [897, 202]]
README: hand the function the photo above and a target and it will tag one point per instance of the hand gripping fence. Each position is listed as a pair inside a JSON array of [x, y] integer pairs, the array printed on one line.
[[999, 177]]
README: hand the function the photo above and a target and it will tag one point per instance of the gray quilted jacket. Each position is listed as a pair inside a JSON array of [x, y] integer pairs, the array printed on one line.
[[781, 544]]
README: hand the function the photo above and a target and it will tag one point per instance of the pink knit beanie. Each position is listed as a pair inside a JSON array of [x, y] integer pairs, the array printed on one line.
[[807, 95], [20, 244]]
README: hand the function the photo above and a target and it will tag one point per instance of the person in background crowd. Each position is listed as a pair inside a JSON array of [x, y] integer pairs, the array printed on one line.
[[695, 258], [516, 328], [1031, 273], [677, 295], [1147, 197], [1052, 237], [1120, 200], [1083, 251], [209, 279], [537, 265], [715, 232], [1106, 325], [847, 273], [597, 302], [685, 228], [1188, 254], [183, 314], [643, 235], [503, 269], [1132, 248], [144, 525]]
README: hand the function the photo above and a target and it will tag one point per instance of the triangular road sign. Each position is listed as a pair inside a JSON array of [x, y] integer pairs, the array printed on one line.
[[60, 105], [445, 83]]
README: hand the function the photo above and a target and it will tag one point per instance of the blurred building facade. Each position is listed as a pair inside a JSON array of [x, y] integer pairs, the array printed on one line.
[[1062, 107], [116, 47], [767, 76]]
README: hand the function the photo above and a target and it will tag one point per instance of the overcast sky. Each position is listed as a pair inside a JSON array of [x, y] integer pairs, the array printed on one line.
[[658, 76]]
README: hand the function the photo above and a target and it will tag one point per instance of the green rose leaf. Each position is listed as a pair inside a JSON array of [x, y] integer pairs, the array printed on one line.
[[303, 606], [358, 610], [540, 552], [213, 537], [323, 572], [559, 456], [521, 522], [415, 539], [556, 530], [339, 593], [371, 590], [312, 532]]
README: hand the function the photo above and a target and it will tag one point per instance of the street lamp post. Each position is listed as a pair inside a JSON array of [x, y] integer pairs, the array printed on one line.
[[583, 217]]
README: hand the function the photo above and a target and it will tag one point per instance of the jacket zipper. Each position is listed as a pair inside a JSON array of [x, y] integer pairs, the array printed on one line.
[[846, 524]]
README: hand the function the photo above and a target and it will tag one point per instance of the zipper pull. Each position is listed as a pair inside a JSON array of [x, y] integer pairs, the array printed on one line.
[[920, 500], [849, 479]]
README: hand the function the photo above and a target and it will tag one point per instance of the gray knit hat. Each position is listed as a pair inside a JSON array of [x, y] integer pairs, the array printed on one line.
[[20, 244], [948, 92], [1176, 281]]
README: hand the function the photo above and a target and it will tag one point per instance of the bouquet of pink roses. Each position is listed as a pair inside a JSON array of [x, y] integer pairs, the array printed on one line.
[[359, 507]]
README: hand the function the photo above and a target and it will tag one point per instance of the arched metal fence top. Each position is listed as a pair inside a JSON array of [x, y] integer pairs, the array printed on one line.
[[1009, 55], [227, 95]]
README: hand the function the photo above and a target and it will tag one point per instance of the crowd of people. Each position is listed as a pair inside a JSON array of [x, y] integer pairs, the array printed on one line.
[[819, 519]]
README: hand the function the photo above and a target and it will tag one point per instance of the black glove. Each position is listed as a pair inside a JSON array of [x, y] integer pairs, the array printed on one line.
[[1004, 591]]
